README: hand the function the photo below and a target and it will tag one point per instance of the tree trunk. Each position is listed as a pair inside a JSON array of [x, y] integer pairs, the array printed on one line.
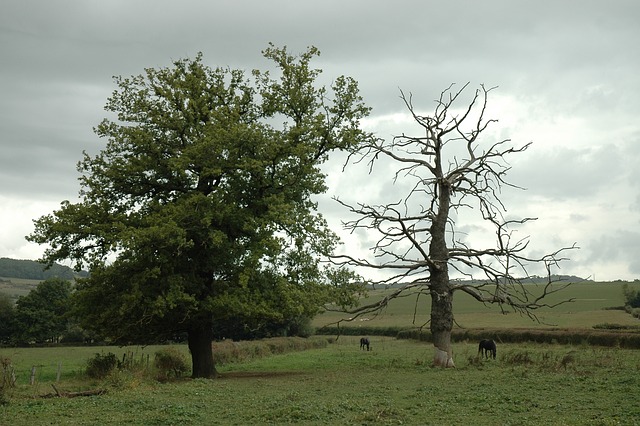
[[440, 289], [441, 325], [199, 339]]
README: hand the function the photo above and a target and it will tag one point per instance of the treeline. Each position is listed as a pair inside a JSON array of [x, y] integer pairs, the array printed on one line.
[[534, 279], [624, 338], [32, 270], [632, 297], [41, 316], [47, 315]]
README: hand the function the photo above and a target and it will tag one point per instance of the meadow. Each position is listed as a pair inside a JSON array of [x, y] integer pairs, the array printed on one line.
[[337, 383], [340, 384]]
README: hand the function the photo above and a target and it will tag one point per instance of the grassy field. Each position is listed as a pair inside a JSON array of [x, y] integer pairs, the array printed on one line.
[[589, 308], [339, 384], [16, 287]]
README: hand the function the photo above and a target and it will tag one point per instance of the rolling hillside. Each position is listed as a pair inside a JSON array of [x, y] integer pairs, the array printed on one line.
[[18, 277]]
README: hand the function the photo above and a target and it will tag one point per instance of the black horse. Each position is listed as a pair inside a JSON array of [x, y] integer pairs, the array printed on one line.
[[487, 348], [364, 342]]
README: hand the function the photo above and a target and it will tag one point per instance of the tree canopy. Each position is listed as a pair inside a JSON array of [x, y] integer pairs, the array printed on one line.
[[200, 208]]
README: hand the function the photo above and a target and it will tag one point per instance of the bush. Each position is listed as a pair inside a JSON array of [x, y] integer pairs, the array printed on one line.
[[634, 312], [100, 366], [170, 362], [227, 352], [391, 331], [625, 338], [300, 327], [7, 379], [631, 296], [609, 326]]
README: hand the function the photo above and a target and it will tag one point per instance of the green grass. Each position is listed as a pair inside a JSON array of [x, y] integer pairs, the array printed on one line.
[[339, 384], [392, 384], [71, 361]]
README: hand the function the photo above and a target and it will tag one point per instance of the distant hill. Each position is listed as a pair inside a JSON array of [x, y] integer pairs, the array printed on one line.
[[32, 270], [534, 279]]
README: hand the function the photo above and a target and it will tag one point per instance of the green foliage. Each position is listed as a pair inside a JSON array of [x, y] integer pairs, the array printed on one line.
[[7, 315], [101, 365], [300, 327], [41, 315], [203, 194], [170, 362], [632, 296]]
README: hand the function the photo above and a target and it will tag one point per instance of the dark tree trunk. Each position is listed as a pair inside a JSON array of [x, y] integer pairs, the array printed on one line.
[[199, 338]]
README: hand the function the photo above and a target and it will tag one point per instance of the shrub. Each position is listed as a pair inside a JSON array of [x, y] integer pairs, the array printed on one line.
[[391, 331], [170, 362], [635, 312], [101, 365], [227, 352], [300, 327], [518, 358], [7, 380], [631, 296]]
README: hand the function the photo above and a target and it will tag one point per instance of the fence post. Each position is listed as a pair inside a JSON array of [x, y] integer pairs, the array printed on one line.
[[32, 380], [59, 372]]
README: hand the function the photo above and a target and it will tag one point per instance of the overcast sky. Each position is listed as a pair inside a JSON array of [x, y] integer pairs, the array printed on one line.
[[567, 71]]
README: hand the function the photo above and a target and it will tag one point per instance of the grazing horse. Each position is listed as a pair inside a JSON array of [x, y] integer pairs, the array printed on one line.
[[364, 342], [487, 348]]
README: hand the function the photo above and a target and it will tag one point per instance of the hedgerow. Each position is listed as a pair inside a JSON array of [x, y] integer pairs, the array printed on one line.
[[624, 338]]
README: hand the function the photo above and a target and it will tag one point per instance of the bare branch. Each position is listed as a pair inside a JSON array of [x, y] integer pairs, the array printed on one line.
[[451, 168]]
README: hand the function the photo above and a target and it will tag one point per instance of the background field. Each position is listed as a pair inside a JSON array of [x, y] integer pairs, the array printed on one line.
[[591, 307], [16, 287]]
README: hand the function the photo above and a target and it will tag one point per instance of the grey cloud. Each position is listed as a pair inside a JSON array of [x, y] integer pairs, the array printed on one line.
[[571, 60], [621, 246]]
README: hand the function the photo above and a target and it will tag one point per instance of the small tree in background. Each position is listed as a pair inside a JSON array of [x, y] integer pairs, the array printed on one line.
[[632, 300], [42, 315], [7, 315], [450, 172]]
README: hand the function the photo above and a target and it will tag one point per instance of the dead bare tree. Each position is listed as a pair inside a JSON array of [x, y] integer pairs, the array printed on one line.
[[451, 171]]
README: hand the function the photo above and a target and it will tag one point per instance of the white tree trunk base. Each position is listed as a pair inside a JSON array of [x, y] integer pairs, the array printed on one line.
[[443, 359]]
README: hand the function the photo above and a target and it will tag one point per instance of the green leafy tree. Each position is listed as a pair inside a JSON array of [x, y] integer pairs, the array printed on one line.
[[42, 315], [7, 314], [631, 296], [200, 207]]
